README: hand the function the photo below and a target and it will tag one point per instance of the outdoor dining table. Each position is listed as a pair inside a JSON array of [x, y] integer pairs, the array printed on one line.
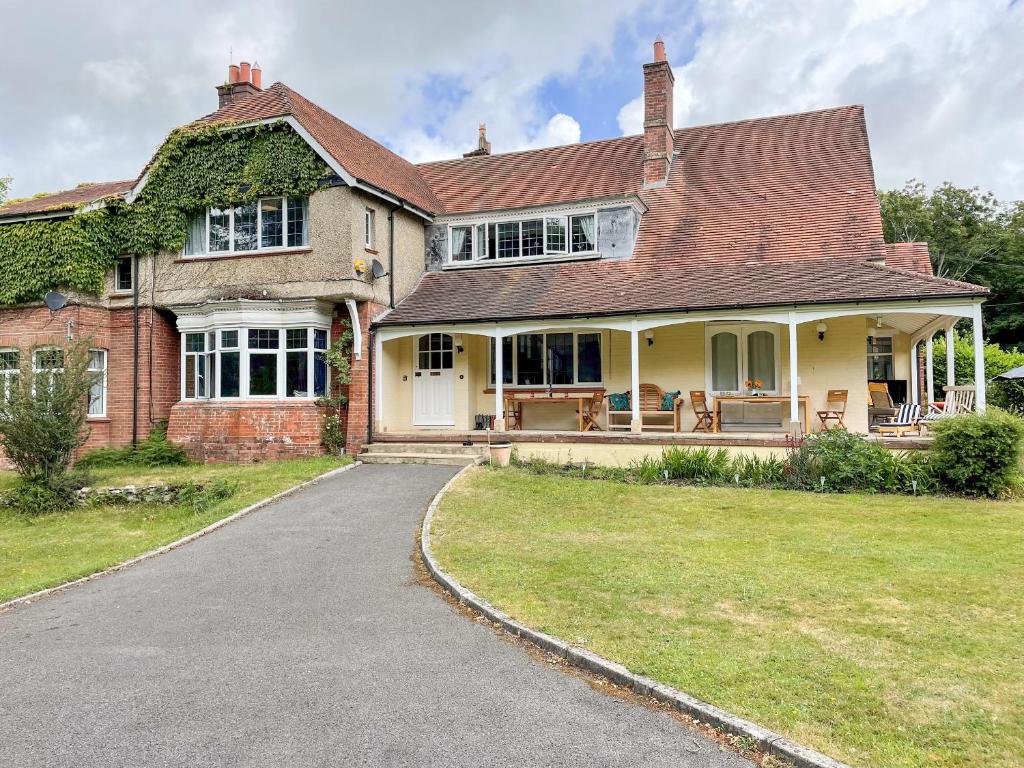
[[515, 399], [805, 402]]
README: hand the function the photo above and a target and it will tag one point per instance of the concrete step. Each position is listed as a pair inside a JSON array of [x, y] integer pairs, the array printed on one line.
[[444, 448], [454, 459]]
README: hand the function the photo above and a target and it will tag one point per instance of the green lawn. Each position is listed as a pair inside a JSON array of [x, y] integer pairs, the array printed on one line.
[[882, 630], [39, 552]]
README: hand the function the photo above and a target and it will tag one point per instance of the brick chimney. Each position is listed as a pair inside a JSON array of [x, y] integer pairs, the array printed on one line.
[[658, 140], [483, 145], [243, 80]]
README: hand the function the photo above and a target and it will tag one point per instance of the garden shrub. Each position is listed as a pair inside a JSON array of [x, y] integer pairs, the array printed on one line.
[[700, 465], [842, 461], [757, 472], [201, 497], [978, 454], [155, 451]]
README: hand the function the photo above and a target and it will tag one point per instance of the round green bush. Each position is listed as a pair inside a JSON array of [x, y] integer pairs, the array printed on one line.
[[978, 454]]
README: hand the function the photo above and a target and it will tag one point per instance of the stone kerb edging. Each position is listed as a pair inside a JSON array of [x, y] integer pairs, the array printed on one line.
[[768, 741], [31, 598]]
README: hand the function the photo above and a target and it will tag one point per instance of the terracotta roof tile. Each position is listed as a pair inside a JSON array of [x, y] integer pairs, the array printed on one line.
[[773, 211], [912, 257], [84, 194], [357, 153]]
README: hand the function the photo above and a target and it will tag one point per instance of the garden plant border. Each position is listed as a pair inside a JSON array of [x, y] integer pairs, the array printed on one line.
[[34, 596], [767, 741]]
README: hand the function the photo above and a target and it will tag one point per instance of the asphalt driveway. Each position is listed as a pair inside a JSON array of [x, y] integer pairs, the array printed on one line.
[[298, 636]]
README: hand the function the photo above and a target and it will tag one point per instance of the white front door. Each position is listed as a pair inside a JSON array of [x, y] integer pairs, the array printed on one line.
[[433, 387]]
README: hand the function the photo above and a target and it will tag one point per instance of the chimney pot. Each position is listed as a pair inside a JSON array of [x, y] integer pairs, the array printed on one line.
[[483, 146], [257, 75], [245, 74], [233, 73], [659, 50]]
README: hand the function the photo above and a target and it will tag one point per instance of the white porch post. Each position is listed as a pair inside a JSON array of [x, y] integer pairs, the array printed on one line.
[[950, 359], [979, 359], [378, 381], [915, 395], [794, 394], [634, 360], [499, 382], [929, 367]]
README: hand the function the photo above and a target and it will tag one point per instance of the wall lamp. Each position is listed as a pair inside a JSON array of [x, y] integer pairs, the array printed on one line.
[[649, 335], [821, 328], [457, 340]]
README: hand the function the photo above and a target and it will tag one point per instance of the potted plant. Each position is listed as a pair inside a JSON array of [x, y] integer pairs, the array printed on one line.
[[755, 386]]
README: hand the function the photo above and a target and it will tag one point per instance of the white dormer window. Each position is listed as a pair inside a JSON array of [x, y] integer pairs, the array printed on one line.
[[527, 238], [262, 225]]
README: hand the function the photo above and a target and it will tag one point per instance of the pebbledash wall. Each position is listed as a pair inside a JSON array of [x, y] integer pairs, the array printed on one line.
[[111, 330]]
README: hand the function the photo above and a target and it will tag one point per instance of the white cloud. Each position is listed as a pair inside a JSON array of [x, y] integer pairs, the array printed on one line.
[[941, 81]]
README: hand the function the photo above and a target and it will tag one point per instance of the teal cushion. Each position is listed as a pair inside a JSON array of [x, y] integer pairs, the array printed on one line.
[[619, 401], [668, 401]]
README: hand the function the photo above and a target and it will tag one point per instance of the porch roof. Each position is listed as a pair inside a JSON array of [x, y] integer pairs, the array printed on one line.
[[608, 288]]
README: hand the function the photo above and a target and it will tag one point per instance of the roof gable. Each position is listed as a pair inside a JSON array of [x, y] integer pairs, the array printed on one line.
[[67, 200]]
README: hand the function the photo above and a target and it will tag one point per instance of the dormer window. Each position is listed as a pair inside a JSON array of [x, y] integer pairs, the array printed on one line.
[[528, 238], [261, 225]]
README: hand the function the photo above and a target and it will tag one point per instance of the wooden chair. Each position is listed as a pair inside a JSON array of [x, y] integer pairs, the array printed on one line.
[[590, 411], [907, 419], [513, 413], [880, 405], [958, 400], [705, 417], [835, 409]]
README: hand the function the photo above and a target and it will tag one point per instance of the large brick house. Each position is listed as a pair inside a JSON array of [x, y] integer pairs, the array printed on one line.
[[694, 259]]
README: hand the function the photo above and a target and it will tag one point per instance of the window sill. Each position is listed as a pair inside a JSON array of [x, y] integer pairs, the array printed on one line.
[[98, 419], [540, 388], [371, 251], [244, 254], [514, 261]]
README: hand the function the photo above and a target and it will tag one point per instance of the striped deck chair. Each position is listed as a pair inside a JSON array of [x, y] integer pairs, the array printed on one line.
[[907, 419]]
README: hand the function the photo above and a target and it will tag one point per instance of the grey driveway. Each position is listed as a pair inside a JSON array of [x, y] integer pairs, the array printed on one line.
[[299, 637]]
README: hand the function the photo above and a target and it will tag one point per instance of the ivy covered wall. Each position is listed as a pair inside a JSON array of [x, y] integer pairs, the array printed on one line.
[[199, 166]]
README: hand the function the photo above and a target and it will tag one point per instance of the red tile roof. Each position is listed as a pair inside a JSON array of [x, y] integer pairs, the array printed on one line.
[[361, 156], [909, 256], [83, 194], [773, 211]]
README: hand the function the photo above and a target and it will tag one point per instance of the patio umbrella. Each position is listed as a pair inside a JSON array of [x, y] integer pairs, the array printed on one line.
[[1012, 374]]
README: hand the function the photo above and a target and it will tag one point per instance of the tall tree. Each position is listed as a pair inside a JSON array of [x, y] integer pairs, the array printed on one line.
[[5, 184], [971, 236]]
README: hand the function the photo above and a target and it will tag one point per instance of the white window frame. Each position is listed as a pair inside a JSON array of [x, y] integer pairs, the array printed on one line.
[[216, 357], [576, 383], [102, 371], [207, 254], [131, 270], [8, 376], [742, 331], [480, 247], [891, 355], [36, 370], [369, 221]]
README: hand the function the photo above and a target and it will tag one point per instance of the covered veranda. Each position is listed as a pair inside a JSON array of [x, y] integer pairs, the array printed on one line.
[[438, 381]]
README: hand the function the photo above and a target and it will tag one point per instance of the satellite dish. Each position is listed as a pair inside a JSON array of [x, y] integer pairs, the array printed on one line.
[[55, 300], [377, 270]]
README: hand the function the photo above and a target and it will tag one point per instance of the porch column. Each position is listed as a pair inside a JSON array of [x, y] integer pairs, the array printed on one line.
[[979, 359], [794, 393], [378, 382], [929, 368], [634, 360], [950, 359], [499, 382], [915, 395]]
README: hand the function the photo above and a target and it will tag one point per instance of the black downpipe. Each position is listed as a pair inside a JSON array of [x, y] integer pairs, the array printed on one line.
[[135, 353], [391, 255]]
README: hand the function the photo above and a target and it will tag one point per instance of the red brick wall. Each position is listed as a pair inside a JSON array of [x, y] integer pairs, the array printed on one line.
[[359, 390], [27, 327], [245, 432]]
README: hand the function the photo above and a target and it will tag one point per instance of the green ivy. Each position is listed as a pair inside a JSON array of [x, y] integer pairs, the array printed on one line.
[[199, 166]]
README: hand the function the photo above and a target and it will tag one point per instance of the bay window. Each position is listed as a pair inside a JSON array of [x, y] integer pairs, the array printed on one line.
[[525, 238], [741, 357], [264, 224], [47, 365], [255, 363], [564, 358]]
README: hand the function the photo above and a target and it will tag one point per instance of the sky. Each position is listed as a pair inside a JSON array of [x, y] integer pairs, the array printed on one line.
[[88, 90]]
